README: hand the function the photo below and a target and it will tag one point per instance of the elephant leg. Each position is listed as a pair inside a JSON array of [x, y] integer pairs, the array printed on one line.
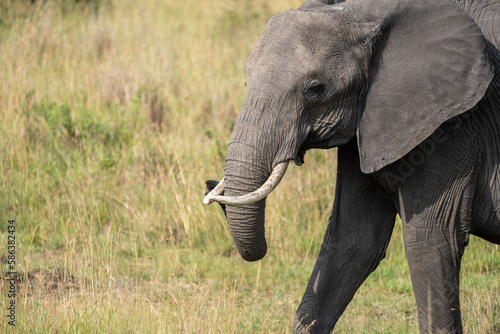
[[355, 242], [435, 208], [434, 269]]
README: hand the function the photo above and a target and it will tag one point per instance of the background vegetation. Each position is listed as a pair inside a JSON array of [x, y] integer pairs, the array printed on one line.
[[113, 113]]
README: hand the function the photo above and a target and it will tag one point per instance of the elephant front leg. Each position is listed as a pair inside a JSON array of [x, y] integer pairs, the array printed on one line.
[[434, 268], [355, 242], [436, 227]]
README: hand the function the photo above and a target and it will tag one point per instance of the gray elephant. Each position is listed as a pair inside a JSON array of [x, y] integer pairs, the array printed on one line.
[[409, 92]]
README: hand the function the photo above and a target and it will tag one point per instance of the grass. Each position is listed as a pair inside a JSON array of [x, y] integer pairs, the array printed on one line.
[[113, 114]]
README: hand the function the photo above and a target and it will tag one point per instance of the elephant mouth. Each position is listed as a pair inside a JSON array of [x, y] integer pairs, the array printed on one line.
[[299, 160]]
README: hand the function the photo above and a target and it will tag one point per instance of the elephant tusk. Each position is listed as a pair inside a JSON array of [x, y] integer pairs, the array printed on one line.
[[268, 186], [218, 190]]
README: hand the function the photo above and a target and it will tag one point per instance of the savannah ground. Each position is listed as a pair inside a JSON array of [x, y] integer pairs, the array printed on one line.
[[113, 113]]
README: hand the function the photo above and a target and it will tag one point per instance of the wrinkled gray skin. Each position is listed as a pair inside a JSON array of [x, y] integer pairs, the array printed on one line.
[[409, 91]]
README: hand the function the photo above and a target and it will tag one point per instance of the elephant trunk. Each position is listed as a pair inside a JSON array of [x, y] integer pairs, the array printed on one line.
[[258, 146], [244, 173]]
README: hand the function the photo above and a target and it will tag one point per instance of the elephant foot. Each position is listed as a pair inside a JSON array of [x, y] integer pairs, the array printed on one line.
[[300, 328]]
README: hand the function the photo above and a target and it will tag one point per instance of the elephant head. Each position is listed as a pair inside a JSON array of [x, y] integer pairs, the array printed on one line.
[[385, 73]]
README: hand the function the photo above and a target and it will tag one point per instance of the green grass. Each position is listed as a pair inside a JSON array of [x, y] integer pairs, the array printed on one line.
[[113, 115]]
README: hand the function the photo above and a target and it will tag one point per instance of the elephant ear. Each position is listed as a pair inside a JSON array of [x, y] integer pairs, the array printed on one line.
[[429, 64]]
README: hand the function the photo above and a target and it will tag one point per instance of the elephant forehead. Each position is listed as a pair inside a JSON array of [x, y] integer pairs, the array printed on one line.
[[292, 45], [292, 57], [273, 71]]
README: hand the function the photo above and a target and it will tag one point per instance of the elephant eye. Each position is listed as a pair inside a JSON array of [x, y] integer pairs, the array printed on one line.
[[314, 91]]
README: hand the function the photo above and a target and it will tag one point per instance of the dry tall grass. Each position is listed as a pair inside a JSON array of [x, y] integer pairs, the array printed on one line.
[[113, 114]]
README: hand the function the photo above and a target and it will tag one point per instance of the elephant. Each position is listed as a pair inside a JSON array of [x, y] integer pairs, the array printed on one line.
[[409, 93]]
